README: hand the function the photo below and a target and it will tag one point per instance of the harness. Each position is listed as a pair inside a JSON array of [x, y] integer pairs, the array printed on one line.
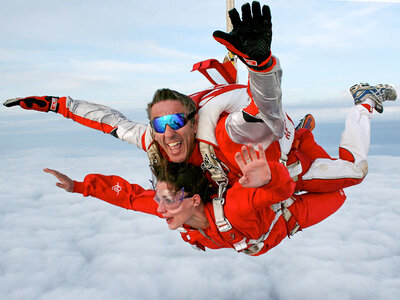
[[247, 246]]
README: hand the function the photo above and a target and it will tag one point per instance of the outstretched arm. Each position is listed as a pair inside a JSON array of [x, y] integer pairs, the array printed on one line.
[[89, 114], [112, 189], [255, 169]]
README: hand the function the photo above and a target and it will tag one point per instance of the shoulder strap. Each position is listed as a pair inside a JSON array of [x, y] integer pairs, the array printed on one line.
[[213, 165]]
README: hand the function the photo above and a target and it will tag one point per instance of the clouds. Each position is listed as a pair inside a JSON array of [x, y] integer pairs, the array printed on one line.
[[63, 246]]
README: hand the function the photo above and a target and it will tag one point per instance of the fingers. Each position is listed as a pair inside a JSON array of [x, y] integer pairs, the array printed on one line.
[[53, 172], [245, 154], [250, 13], [32, 102], [261, 151], [61, 185], [246, 13], [266, 12], [249, 153], [12, 102], [56, 174], [235, 18], [252, 152], [65, 183], [239, 160], [256, 8], [47, 170]]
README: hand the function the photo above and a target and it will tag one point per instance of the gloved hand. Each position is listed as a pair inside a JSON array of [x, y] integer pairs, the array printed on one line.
[[250, 38], [45, 103]]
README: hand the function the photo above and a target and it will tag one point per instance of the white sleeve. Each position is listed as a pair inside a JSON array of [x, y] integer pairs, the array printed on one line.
[[105, 119], [264, 120], [265, 89]]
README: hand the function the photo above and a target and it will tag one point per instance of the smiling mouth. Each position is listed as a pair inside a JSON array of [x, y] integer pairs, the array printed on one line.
[[169, 220], [175, 147]]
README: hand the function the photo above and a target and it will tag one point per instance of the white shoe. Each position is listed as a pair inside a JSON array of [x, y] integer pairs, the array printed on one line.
[[378, 93]]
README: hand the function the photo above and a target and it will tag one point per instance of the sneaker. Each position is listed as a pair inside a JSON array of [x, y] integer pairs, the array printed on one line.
[[308, 122], [378, 93]]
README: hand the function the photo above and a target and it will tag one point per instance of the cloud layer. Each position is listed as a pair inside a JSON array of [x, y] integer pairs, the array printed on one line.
[[57, 245]]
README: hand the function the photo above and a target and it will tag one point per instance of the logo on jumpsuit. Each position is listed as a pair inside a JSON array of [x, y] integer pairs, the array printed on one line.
[[287, 132], [117, 188]]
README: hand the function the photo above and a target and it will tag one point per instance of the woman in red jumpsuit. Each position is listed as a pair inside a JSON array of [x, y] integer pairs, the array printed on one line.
[[261, 209]]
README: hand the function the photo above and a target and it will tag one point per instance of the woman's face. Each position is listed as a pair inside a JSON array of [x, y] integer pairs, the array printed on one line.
[[174, 207]]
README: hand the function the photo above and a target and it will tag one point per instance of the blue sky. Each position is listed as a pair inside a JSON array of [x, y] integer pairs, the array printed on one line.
[[118, 52]]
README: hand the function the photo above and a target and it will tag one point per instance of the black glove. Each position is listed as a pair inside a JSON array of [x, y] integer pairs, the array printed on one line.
[[250, 38], [45, 103]]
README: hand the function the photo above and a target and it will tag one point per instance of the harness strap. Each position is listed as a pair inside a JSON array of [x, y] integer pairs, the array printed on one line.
[[280, 209], [222, 223], [291, 223], [153, 155], [212, 164], [295, 170], [257, 245], [152, 152]]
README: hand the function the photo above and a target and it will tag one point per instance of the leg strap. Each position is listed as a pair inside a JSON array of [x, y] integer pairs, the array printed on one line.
[[291, 223]]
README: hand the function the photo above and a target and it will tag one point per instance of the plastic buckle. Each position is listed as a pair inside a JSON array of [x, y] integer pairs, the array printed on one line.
[[224, 226], [239, 246]]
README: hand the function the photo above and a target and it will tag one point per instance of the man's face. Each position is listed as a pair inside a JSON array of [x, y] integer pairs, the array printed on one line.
[[178, 144]]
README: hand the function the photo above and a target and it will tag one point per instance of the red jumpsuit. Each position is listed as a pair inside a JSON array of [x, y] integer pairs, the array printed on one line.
[[248, 209]]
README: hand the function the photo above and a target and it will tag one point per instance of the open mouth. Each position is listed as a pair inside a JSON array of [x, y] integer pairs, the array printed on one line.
[[169, 220], [175, 147]]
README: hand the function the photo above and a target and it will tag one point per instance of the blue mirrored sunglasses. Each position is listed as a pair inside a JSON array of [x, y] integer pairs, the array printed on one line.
[[175, 121]]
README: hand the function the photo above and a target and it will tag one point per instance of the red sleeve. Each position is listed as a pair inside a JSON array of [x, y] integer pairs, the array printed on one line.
[[117, 191], [280, 188]]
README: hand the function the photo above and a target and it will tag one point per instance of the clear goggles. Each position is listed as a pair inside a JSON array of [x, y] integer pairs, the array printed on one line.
[[175, 121], [169, 199]]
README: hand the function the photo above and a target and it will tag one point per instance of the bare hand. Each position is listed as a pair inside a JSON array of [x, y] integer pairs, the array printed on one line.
[[65, 183], [255, 169]]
